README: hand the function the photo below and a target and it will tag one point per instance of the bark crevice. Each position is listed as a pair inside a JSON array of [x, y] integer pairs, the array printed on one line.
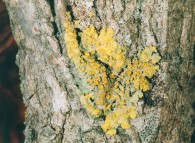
[[57, 31]]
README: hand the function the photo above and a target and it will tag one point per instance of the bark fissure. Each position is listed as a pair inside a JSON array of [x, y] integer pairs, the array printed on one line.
[[138, 18], [194, 53], [62, 131], [96, 10], [54, 23]]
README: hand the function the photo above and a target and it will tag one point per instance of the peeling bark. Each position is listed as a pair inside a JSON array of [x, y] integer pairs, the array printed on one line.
[[54, 113]]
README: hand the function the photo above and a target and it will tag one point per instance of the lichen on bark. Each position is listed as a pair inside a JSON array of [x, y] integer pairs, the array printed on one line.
[[46, 72], [110, 82]]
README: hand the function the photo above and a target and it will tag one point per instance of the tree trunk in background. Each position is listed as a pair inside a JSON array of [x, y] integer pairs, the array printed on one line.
[[54, 113]]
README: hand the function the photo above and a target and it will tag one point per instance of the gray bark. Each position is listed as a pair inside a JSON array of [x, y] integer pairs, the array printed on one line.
[[54, 113]]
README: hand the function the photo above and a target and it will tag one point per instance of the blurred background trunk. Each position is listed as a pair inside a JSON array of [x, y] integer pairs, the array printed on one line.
[[49, 90], [11, 103]]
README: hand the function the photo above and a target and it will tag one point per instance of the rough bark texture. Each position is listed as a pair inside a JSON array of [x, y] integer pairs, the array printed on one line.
[[54, 113]]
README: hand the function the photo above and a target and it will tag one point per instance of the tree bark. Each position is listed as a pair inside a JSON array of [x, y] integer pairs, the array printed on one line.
[[54, 113]]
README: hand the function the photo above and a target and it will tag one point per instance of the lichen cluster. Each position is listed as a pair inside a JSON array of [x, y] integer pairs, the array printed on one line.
[[111, 82], [148, 131]]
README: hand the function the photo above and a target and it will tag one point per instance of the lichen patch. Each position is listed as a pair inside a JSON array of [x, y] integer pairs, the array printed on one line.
[[111, 83]]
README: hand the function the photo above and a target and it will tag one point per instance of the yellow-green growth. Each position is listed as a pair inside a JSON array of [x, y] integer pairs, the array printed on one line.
[[113, 83]]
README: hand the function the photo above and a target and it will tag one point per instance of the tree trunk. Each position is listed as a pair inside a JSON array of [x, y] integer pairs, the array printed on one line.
[[54, 113]]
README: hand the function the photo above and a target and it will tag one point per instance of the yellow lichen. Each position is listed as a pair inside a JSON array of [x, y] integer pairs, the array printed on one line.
[[91, 14], [111, 83], [76, 23]]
